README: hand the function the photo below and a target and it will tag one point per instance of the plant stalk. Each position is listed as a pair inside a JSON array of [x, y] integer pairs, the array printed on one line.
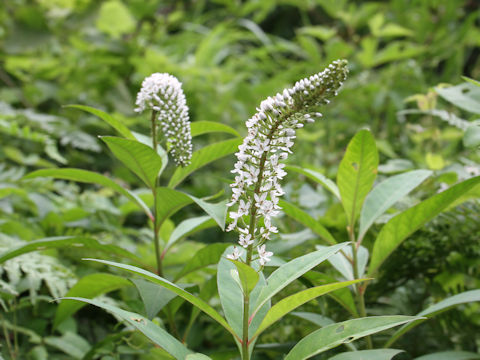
[[360, 288], [156, 225]]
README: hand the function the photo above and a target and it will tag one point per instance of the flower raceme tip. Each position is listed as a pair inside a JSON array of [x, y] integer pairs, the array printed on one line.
[[163, 94]]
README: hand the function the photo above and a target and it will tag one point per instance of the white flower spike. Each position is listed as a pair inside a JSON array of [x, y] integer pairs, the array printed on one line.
[[271, 133], [163, 94]]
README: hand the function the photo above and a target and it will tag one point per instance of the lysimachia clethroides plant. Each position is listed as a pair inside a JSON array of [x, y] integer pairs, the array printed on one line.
[[245, 293]]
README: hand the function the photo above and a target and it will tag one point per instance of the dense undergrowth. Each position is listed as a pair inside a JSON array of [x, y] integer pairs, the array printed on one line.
[[411, 65]]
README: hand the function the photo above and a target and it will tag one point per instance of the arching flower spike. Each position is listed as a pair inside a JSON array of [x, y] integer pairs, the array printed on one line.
[[271, 134]]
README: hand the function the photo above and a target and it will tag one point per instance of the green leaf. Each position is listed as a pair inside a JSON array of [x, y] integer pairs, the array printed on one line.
[[203, 157], [171, 201], [357, 173], [378, 354], [197, 356], [466, 96], [155, 333], [89, 177], [450, 355], [409, 221], [292, 270], [318, 178], [471, 81], [435, 161], [205, 127], [444, 305], [314, 318], [231, 298], [386, 194], [209, 255], [304, 218], [343, 296], [107, 342], [207, 309], [147, 140], [89, 287], [344, 266], [284, 306], [70, 343], [115, 19], [333, 335], [154, 296], [189, 227], [141, 159], [471, 138], [64, 241], [110, 120], [247, 275]]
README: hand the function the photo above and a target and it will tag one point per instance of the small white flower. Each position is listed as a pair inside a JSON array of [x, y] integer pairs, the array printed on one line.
[[236, 254], [245, 240], [264, 255]]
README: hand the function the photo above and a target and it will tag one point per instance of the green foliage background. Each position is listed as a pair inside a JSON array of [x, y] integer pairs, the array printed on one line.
[[230, 55]]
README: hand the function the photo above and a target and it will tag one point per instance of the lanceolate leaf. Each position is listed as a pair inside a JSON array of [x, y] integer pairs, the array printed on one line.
[[231, 298], [204, 127], [147, 140], [292, 270], [386, 194], [471, 81], [70, 241], [248, 277], [314, 318], [206, 256], [197, 356], [450, 355], [154, 332], [117, 125], [378, 354], [188, 227], [318, 178], [89, 287], [203, 157], [72, 344], [444, 305], [305, 219], [207, 309], [170, 201], [333, 335], [344, 266], [357, 173], [90, 177], [154, 296], [139, 158], [343, 296], [284, 306], [409, 221]]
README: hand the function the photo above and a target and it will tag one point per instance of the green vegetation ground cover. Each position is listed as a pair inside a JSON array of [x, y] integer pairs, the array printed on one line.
[[413, 66]]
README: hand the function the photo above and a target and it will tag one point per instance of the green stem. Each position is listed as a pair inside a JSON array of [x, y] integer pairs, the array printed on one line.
[[15, 335], [246, 309], [171, 323], [360, 288], [7, 339], [156, 225]]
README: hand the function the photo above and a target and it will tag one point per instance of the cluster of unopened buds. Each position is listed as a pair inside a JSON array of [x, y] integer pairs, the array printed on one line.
[[163, 94], [270, 137]]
